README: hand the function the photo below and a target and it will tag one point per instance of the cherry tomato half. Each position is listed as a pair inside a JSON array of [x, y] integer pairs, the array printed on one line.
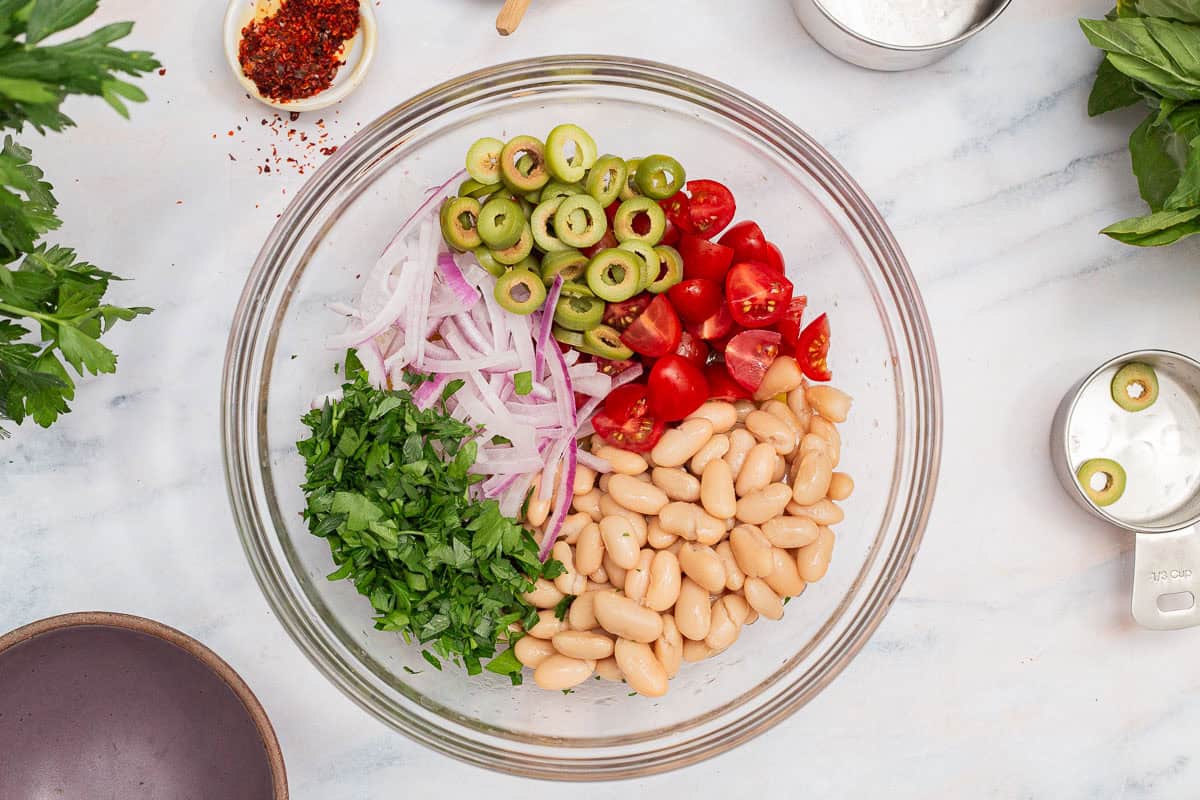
[[703, 259], [812, 349], [628, 424], [679, 219], [696, 299], [789, 326], [749, 244], [715, 327], [608, 240], [677, 388], [721, 386], [656, 331], [610, 367], [692, 348], [773, 258], [757, 295], [621, 315], [712, 207], [749, 354]]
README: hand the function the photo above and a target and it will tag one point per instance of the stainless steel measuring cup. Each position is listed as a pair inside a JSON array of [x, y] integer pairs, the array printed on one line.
[[1166, 562]]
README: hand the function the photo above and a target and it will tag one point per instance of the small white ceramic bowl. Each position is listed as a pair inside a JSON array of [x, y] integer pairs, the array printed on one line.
[[359, 54]]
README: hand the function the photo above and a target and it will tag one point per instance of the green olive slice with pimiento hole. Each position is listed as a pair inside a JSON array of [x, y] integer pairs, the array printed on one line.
[[520, 249], [542, 223], [606, 179], [567, 337], [531, 263], [520, 291], [460, 220], [647, 256], [629, 189], [570, 152], [555, 189], [523, 164], [615, 275], [670, 269], [571, 264], [605, 341], [577, 288], [501, 222], [1102, 479], [483, 160], [658, 177], [489, 262], [640, 214], [578, 313], [1135, 386], [473, 188], [580, 221]]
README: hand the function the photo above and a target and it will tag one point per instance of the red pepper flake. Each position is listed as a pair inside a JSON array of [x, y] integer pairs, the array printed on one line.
[[328, 151], [296, 52], [162, 72]]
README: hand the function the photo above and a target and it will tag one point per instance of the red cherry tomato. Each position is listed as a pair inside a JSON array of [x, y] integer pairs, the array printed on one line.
[[712, 207], [608, 240], [621, 315], [656, 331], [789, 324], [677, 388], [703, 259], [746, 239], [749, 354], [721, 386], [611, 367], [757, 295], [696, 299], [812, 349], [628, 423], [679, 220], [715, 327], [692, 348], [773, 258]]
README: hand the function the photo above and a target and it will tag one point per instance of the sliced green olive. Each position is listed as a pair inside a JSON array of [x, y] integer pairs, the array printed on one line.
[[571, 264], [580, 221], [578, 313], [501, 222], [625, 221], [570, 338], [605, 341], [1135, 386], [1102, 479], [523, 164], [520, 291], [647, 256], [530, 263], [555, 189], [658, 177], [606, 179], [542, 223], [570, 152], [483, 160], [489, 262], [629, 189], [614, 274], [670, 269], [577, 288], [473, 188], [520, 249], [460, 220]]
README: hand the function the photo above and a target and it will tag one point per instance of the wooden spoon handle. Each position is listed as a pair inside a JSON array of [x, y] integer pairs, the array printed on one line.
[[510, 16]]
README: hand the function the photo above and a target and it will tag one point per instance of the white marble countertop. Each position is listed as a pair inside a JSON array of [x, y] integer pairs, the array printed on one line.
[[1009, 666]]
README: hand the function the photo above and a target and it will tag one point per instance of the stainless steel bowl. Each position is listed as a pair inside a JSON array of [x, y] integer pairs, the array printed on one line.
[[857, 48]]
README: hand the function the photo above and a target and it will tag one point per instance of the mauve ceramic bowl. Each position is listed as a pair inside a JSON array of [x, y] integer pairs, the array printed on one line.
[[108, 705]]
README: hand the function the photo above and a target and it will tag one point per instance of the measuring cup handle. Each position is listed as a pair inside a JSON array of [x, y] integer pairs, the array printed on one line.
[[1166, 570]]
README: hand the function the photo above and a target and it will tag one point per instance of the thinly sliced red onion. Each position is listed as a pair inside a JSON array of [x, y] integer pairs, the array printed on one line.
[[627, 375], [547, 321], [429, 391], [592, 385], [437, 194], [499, 361], [372, 362], [448, 267], [356, 334], [470, 331], [562, 505], [593, 461], [427, 246]]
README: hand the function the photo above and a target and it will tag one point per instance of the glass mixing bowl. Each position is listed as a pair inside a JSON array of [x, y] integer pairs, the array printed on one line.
[[839, 251]]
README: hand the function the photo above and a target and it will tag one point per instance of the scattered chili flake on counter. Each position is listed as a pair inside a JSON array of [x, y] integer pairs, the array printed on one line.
[[296, 52]]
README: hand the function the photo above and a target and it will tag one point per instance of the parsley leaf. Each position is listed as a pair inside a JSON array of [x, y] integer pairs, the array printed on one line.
[[388, 487]]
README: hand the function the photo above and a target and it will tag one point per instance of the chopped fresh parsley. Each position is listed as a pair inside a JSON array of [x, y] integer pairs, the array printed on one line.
[[561, 608], [523, 382], [387, 488]]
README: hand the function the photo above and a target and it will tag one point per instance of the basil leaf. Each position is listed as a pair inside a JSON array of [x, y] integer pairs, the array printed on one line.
[[1164, 55], [1187, 190], [1157, 229], [1182, 10], [1111, 90], [1157, 172]]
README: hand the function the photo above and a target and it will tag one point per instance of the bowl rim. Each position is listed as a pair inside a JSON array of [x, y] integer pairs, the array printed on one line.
[[197, 650], [908, 512]]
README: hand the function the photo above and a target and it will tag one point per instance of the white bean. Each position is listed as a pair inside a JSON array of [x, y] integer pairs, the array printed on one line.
[[581, 616], [588, 503], [716, 489], [609, 507], [622, 462], [531, 651], [589, 550], [832, 404], [829, 432], [622, 617], [812, 479], [734, 577], [544, 595], [643, 498], [789, 532], [841, 486], [741, 442], [822, 512], [769, 428], [752, 550], [547, 625], [762, 598], [724, 629], [756, 471], [642, 671], [559, 672], [784, 414], [785, 578], [620, 543], [570, 581], [607, 669], [781, 377], [572, 526], [702, 564], [716, 447], [637, 580], [720, 413], [668, 648], [692, 613], [677, 483], [584, 645], [761, 506], [656, 537], [812, 561], [679, 444], [585, 479], [665, 580]]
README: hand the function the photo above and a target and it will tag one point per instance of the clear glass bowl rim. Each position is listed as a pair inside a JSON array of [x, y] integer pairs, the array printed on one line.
[[242, 402]]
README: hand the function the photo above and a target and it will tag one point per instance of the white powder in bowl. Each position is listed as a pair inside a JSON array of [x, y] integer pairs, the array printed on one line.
[[905, 22]]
